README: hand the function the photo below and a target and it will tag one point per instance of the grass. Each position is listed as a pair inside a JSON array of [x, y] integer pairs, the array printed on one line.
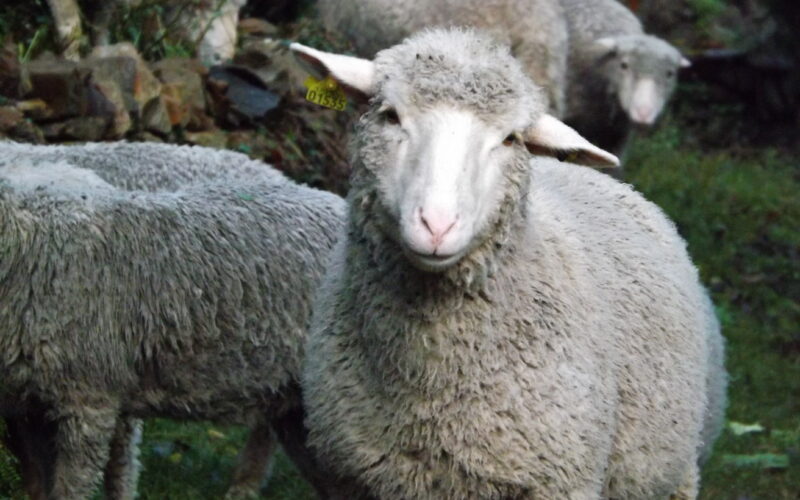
[[193, 461]]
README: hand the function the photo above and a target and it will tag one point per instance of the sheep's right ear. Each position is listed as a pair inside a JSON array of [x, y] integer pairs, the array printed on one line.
[[355, 75], [551, 137]]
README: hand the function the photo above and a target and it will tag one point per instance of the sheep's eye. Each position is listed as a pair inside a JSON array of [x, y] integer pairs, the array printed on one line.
[[510, 140], [623, 65], [391, 117], [670, 74]]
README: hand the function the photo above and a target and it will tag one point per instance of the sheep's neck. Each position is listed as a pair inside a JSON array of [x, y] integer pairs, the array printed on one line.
[[412, 322]]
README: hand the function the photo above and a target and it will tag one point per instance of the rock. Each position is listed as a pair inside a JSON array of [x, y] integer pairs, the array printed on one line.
[[15, 125], [67, 22], [61, 84], [122, 64], [35, 109], [12, 83], [10, 117], [241, 97], [105, 100], [145, 137], [155, 117], [26, 131], [215, 138], [183, 90], [82, 128], [255, 27], [78, 90], [268, 65]]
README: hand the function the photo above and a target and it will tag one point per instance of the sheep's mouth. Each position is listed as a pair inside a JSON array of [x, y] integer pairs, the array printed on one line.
[[432, 262]]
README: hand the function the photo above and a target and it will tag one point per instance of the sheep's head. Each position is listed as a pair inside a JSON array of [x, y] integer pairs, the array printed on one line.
[[445, 146], [642, 70]]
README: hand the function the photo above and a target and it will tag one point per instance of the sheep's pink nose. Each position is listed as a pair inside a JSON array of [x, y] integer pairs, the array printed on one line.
[[438, 224], [644, 115]]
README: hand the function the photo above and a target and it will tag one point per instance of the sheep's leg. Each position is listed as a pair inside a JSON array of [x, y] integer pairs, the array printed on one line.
[[254, 464], [31, 440], [83, 441], [293, 435], [122, 470]]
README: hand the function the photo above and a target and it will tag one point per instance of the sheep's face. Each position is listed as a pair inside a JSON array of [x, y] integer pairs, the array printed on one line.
[[642, 71], [441, 174], [440, 159]]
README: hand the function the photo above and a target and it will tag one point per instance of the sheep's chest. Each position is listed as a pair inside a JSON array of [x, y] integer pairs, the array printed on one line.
[[478, 401]]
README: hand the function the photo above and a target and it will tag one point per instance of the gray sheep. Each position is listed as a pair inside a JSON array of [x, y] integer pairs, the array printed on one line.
[[616, 74], [535, 29], [496, 325], [142, 280]]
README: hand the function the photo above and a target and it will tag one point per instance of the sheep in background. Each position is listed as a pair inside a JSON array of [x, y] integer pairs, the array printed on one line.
[[142, 280], [495, 325], [616, 74], [535, 29]]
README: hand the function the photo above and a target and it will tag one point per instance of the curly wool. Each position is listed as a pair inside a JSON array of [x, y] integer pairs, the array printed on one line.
[[176, 285], [535, 29], [580, 359]]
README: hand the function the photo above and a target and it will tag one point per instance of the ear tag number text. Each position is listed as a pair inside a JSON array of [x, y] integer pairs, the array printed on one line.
[[325, 92]]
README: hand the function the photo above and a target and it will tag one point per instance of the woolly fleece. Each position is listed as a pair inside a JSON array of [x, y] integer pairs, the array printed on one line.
[[569, 355], [535, 29], [177, 286]]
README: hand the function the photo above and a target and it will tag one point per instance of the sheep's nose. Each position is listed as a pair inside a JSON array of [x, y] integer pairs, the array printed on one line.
[[438, 224], [644, 115]]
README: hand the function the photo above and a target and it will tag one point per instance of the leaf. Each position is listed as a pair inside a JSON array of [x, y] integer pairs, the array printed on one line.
[[215, 434], [246, 196], [175, 458], [740, 429], [761, 460]]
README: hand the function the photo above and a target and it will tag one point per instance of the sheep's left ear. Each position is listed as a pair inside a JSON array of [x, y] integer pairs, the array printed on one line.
[[685, 63], [551, 137], [355, 75]]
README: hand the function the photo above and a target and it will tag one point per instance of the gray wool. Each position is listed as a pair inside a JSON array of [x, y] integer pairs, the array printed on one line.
[[572, 353], [535, 30], [594, 83], [142, 280]]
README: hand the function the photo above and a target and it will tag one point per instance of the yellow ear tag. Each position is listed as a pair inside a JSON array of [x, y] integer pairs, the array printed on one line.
[[326, 93]]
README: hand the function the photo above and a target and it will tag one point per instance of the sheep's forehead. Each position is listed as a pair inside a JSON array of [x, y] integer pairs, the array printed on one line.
[[649, 51], [462, 69]]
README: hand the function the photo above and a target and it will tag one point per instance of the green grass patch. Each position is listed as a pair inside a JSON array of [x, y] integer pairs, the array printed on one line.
[[194, 461]]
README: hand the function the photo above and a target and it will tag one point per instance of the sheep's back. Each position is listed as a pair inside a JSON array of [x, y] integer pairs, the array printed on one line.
[[589, 20], [202, 292], [143, 166]]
